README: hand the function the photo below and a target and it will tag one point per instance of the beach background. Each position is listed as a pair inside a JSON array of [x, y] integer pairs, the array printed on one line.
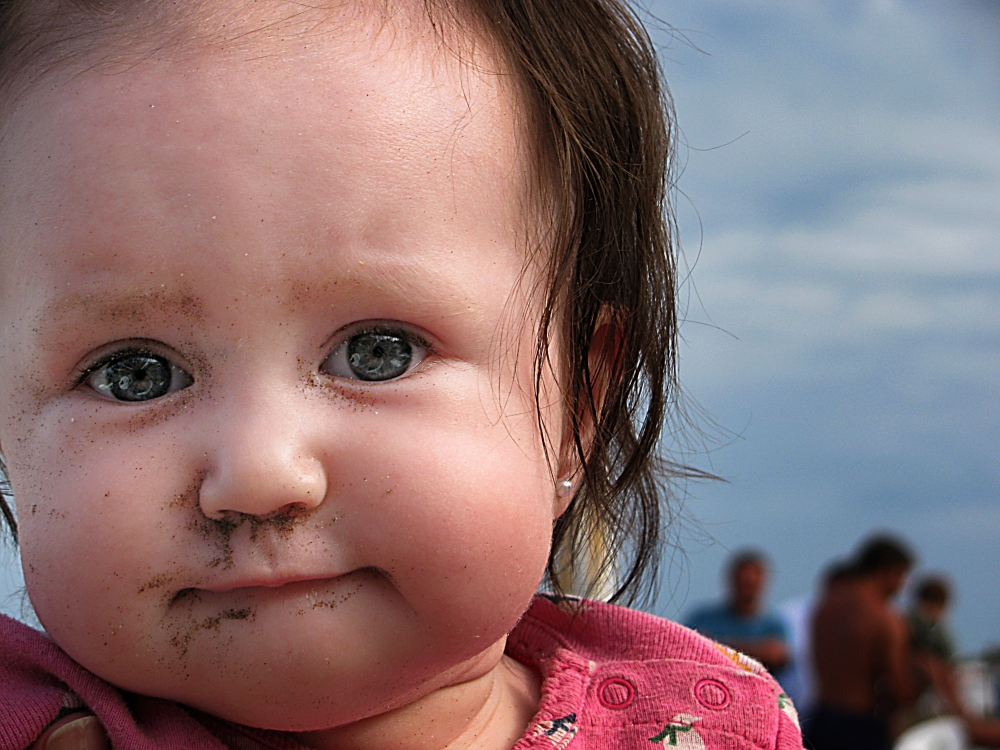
[[840, 218]]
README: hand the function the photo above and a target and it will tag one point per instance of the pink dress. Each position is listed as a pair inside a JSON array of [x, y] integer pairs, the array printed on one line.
[[613, 679]]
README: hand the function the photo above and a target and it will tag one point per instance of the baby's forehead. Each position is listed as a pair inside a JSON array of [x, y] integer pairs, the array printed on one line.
[[350, 62], [168, 135]]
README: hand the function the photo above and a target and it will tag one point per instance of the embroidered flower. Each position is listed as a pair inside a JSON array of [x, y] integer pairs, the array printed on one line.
[[742, 661], [788, 708], [680, 733], [558, 731]]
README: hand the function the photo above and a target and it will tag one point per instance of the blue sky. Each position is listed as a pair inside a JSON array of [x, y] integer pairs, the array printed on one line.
[[840, 213], [843, 317]]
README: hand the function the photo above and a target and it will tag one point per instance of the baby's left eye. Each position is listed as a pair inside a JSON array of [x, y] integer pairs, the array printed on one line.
[[375, 355]]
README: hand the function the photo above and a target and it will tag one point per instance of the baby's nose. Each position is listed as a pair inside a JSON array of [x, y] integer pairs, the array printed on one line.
[[256, 491], [264, 463]]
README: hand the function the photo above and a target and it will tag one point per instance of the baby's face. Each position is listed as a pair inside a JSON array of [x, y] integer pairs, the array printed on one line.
[[271, 454]]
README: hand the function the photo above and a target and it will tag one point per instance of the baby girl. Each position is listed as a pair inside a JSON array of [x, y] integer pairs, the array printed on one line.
[[330, 334]]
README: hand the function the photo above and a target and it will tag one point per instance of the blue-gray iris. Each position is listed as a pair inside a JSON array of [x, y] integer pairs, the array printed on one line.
[[378, 356], [138, 377]]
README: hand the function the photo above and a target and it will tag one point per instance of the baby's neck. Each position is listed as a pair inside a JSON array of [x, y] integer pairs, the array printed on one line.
[[489, 712]]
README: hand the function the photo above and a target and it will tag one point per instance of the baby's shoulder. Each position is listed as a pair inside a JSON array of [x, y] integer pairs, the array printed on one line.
[[615, 677]]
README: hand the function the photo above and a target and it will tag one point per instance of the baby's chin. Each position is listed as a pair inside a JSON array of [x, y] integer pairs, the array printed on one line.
[[296, 658], [299, 683]]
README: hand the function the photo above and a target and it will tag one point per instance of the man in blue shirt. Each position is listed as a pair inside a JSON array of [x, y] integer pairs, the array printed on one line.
[[741, 621]]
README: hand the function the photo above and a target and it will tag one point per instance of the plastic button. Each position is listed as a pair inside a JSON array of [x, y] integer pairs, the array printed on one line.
[[616, 693], [712, 694]]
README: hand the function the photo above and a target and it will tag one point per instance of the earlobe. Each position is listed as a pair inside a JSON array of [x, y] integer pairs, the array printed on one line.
[[565, 492]]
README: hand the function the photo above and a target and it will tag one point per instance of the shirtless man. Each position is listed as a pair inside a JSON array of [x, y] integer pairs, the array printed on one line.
[[861, 652]]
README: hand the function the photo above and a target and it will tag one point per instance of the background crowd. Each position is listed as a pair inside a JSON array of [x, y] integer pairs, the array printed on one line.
[[865, 673]]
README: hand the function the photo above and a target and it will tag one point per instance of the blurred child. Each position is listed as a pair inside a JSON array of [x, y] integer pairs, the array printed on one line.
[[328, 332], [934, 655]]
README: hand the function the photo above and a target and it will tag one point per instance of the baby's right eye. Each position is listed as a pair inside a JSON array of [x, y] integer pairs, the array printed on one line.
[[137, 376]]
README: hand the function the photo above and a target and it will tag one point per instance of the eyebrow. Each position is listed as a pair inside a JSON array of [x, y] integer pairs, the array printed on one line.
[[63, 311]]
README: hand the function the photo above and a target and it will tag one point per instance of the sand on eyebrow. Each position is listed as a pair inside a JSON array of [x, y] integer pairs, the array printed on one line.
[[109, 307]]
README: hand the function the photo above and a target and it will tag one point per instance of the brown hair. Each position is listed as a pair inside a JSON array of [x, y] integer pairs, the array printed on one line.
[[934, 589], [589, 79], [882, 552], [747, 557]]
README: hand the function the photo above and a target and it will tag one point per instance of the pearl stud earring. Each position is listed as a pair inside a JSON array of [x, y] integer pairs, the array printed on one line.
[[565, 487]]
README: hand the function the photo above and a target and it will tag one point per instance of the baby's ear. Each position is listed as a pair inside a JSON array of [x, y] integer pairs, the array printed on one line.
[[602, 375], [605, 357]]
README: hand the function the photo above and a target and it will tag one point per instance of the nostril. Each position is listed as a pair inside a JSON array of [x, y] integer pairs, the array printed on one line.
[[215, 515], [235, 517], [284, 519], [293, 510]]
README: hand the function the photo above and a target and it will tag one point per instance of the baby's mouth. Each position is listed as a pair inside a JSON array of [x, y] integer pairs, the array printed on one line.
[[277, 583], [268, 581]]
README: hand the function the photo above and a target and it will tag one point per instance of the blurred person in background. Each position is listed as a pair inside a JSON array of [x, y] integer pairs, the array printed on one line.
[[741, 621], [940, 712], [861, 654], [933, 645], [798, 679]]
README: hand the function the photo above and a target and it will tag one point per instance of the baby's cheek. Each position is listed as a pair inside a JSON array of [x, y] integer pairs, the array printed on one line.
[[467, 538], [91, 538]]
